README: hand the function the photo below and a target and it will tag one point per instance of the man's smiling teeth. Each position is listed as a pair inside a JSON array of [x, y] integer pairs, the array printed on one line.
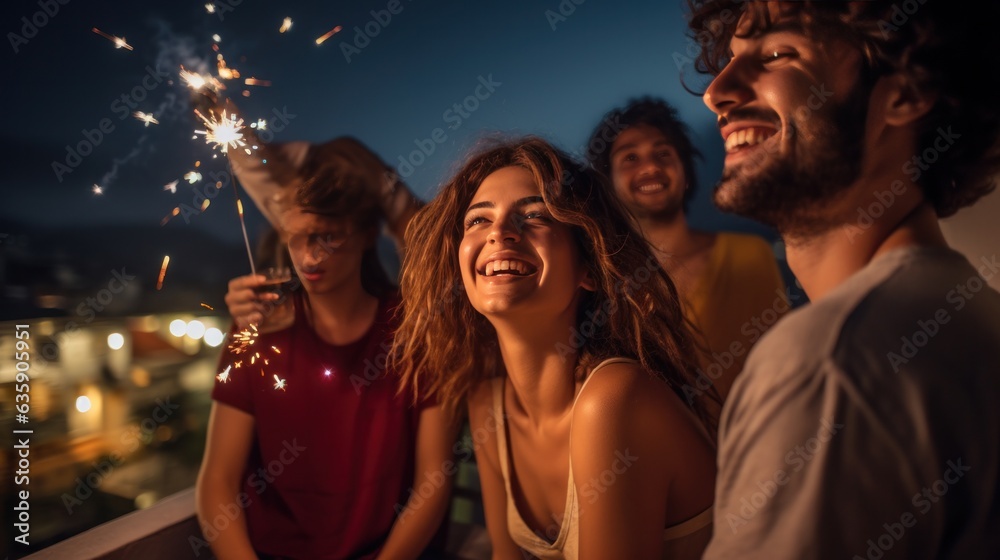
[[651, 187], [510, 267], [748, 137]]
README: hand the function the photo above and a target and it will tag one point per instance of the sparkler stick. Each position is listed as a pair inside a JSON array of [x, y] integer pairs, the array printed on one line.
[[227, 133], [243, 224]]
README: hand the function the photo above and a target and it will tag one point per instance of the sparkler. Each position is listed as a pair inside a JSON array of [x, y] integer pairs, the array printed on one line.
[[228, 133], [243, 340], [279, 383], [223, 377], [286, 24], [243, 224], [174, 212], [225, 72], [256, 82], [145, 118], [194, 80], [328, 34], [163, 272], [225, 133], [118, 41]]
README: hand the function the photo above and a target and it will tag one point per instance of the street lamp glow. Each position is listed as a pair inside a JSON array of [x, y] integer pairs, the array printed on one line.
[[116, 341], [83, 403], [214, 337], [178, 327], [196, 329]]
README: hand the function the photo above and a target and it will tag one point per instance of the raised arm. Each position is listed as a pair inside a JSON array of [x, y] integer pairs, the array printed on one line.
[[217, 494]]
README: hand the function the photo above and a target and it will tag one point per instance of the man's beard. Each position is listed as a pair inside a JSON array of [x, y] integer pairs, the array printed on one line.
[[792, 192]]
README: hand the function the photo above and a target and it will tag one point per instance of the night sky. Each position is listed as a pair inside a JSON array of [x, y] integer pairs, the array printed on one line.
[[554, 73]]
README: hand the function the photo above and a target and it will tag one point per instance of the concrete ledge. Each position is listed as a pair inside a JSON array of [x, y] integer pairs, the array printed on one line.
[[160, 532]]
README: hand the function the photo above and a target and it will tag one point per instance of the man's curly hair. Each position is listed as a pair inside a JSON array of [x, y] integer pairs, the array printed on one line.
[[927, 41]]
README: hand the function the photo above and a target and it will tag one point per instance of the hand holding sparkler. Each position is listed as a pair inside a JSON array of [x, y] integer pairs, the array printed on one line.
[[249, 304]]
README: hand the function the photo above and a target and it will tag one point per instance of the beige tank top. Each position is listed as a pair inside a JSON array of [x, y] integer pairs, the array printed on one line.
[[682, 541]]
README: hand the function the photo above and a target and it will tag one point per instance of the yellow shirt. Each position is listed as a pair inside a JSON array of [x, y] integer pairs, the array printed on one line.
[[738, 297]]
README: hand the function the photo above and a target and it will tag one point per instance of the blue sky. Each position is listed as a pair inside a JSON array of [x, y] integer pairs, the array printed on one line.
[[391, 79]]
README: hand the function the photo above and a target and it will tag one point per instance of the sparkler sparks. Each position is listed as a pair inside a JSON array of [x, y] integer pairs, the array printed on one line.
[[210, 308], [210, 8], [145, 118], [174, 212], [163, 272], [96, 189], [194, 80], [224, 133], [279, 383], [217, 38], [223, 377], [261, 124], [328, 34], [256, 82], [225, 72], [171, 186], [118, 41], [286, 24], [192, 177], [243, 340]]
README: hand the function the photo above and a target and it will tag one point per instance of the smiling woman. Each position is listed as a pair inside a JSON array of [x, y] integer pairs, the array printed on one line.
[[550, 264]]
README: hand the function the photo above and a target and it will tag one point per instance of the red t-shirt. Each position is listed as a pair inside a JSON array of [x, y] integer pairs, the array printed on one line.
[[333, 457]]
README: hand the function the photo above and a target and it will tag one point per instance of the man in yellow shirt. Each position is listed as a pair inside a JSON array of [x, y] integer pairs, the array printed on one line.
[[729, 282]]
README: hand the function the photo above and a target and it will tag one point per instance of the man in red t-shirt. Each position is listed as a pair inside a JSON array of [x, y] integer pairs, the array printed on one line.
[[311, 452]]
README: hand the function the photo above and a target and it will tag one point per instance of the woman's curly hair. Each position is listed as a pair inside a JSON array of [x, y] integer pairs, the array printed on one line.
[[926, 41], [444, 347]]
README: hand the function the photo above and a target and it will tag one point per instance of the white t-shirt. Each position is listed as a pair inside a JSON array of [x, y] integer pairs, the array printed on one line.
[[867, 424]]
